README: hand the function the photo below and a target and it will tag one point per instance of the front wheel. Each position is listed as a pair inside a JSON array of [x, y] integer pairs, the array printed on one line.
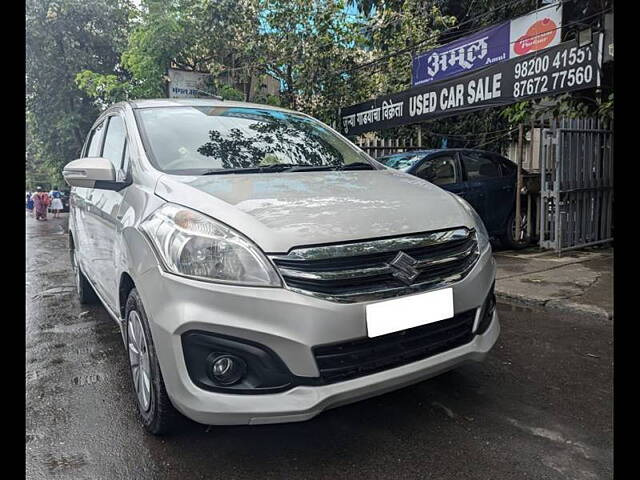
[[510, 239], [156, 412]]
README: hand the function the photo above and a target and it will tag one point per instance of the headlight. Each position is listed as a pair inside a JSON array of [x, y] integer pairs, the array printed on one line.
[[481, 230], [196, 246]]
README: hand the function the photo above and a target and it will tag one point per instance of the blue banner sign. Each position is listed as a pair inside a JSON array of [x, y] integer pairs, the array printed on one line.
[[483, 48]]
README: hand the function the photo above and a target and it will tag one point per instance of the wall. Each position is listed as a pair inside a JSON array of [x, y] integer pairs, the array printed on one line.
[[532, 165]]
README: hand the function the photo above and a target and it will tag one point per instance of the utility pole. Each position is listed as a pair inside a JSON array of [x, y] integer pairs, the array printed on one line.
[[519, 181]]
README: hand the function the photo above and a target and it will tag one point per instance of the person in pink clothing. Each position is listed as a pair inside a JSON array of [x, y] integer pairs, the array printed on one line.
[[40, 204]]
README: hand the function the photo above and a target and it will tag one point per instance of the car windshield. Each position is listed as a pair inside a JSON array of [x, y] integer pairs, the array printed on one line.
[[400, 162], [196, 140]]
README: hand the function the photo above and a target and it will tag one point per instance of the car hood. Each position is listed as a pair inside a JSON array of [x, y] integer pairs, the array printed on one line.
[[279, 211]]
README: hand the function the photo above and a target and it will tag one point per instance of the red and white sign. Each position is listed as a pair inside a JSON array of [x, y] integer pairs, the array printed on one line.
[[536, 31]]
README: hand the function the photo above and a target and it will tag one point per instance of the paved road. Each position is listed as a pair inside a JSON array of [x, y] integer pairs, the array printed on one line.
[[539, 407]]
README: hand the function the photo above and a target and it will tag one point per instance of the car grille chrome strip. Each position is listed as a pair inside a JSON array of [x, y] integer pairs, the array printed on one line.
[[375, 246], [362, 271], [371, 271]]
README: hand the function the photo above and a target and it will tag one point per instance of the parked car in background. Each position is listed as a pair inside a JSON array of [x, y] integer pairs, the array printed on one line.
[[260, 265], [484, 179], [66, 195]]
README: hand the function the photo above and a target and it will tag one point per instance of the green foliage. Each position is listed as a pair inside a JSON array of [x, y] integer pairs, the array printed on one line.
[[395, 28], [605, 110], [107, 88], [517, 113], [229, 93], [306, 44], [569, 105], [268, 99], [63, 38], [197, 35]]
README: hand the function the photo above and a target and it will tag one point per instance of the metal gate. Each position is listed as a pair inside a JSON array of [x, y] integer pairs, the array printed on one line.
[[576, 172]]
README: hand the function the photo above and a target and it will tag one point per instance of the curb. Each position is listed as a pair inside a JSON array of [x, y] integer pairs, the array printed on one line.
[[557, 305]]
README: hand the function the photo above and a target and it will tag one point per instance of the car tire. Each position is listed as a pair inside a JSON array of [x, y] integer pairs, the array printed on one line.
[[156, 412], [86, 293], [509, 239]]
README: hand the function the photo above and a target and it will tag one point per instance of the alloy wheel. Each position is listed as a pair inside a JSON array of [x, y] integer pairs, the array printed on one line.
[[139, 360]]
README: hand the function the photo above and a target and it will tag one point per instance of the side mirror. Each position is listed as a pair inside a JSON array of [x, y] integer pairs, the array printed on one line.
[[94, 172]]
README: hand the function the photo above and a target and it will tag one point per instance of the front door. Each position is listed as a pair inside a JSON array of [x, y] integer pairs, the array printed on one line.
[[493, 193], [105, 213], [81, 209]]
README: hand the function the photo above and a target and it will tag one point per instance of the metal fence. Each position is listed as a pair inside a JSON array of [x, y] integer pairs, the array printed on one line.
[[378, 147], [576, 167]]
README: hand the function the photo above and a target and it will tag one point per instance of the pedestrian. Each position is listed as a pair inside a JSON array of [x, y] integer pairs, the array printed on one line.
[[56, 201], [29, 202], [40, 203]]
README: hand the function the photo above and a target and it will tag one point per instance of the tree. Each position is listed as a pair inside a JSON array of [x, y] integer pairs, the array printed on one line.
[[307, 45], [197, 35], [64, 37], [399, 27]]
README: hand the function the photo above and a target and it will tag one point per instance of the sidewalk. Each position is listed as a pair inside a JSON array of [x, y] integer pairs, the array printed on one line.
[[578, 281]]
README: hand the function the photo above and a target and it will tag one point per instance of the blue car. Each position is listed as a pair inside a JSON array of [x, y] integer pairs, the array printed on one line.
[[484, 179]]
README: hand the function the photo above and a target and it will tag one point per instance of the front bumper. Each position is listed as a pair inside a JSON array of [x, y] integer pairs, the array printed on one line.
[[290, 324]]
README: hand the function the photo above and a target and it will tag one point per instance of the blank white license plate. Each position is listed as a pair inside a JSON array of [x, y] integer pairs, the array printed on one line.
[[408, 312]]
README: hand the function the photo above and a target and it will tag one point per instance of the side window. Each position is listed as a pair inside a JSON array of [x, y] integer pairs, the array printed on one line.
[[508, 167], [95, 141], [479, 166], [114, 142], [439, 170]]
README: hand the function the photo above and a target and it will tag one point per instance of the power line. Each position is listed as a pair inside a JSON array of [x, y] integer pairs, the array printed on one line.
[[499, 136]]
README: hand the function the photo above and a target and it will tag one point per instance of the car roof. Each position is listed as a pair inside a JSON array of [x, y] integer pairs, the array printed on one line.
[[200, 102], [409, 152], [438, 150]]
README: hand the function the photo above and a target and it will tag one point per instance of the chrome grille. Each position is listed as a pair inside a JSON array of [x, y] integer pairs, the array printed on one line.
[[361, 271]]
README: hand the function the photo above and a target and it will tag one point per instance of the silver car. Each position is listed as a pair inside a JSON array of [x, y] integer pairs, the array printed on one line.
[[262, 268]]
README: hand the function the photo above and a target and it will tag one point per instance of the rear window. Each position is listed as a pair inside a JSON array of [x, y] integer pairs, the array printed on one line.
[[480, 165], [508, 167]]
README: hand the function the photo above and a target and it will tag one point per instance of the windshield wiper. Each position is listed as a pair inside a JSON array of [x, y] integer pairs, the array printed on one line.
[[277, 167], [309, 168], [356, 166], [289, 167]]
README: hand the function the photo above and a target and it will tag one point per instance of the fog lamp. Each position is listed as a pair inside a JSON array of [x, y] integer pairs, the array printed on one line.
[[225, 369]]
